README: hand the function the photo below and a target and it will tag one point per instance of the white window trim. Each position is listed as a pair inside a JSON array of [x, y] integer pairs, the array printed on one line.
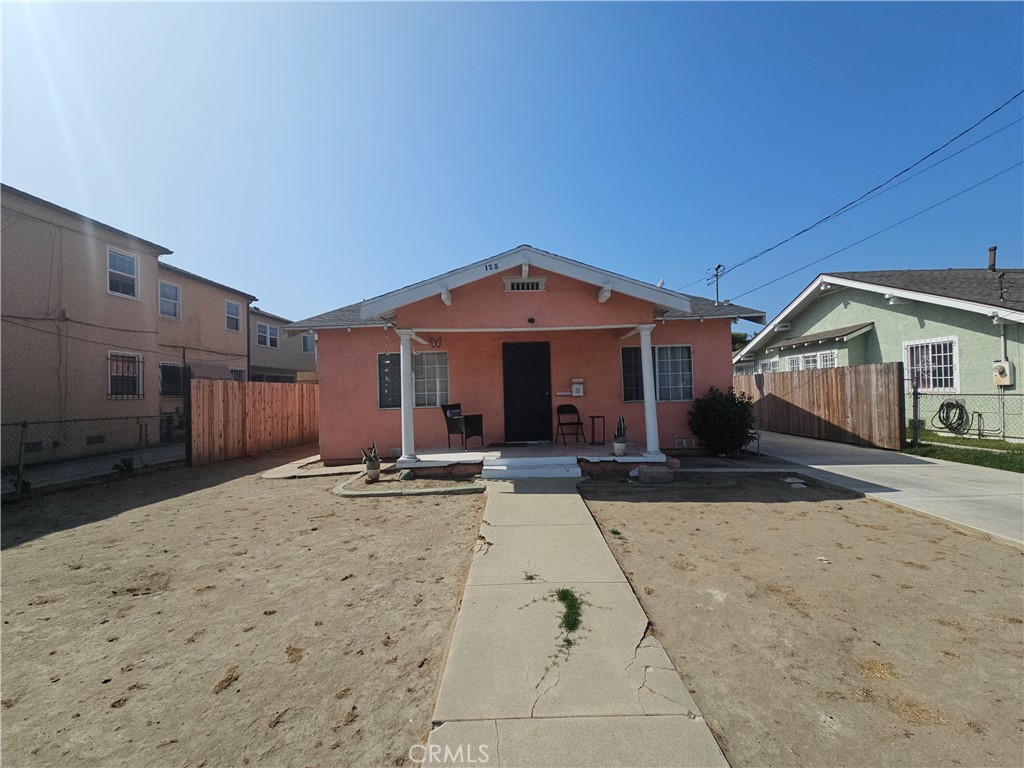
[[275, 335], [160, 298], [769, 366], [160, 380], [399, 407], [226, 316], [908, 377], [744, 369], [140, 376], [654, 356], [136, 277]]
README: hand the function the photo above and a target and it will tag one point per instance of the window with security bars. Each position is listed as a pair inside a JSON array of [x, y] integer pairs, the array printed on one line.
[[125, 376], [171, 379], [673, 374], [430, 379], [932, 364], [768, 366]]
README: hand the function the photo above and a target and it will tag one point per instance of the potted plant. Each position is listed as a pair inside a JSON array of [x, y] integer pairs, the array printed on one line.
[[619, 438], [372, 461]]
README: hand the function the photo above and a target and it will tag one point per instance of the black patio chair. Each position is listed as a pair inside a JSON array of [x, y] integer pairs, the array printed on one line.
[[569, 418], [466, 425]]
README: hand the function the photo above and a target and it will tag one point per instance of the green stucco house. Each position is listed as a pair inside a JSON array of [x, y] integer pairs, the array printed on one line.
[[958, 332]]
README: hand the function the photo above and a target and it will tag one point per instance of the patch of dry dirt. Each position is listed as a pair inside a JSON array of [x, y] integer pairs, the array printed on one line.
[[208, 616], [817, 628]]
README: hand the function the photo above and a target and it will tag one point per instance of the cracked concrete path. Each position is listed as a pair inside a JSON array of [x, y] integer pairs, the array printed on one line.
[[519, 688]]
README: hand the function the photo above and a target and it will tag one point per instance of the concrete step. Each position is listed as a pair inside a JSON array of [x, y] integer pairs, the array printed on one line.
[[534, 466]]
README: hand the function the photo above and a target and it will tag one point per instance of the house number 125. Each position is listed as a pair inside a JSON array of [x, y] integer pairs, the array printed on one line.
[[493, 267]]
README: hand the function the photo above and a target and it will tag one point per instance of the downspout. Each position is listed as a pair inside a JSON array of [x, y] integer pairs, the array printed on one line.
[[248, 342]]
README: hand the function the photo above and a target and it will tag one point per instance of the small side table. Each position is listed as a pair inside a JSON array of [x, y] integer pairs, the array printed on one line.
[[593, 431]]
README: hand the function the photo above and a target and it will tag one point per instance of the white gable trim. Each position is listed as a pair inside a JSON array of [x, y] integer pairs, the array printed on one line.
[[822, 282], [529, 257]]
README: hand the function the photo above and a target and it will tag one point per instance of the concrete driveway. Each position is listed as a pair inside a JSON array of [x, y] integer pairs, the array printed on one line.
[[990, 500]]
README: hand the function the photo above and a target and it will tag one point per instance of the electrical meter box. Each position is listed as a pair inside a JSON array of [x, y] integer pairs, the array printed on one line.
[[577, 387], [1002, 373]]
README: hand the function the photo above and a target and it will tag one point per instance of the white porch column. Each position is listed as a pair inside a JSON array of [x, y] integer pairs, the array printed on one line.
[[408, 397], [650, 393]]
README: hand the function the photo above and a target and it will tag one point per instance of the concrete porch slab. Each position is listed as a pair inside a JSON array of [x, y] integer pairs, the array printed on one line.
[[553, 553], [599, 742], [507, 658]]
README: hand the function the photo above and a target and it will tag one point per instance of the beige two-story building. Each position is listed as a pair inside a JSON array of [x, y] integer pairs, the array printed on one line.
[[276, 356], [96, 333], [203, 329]]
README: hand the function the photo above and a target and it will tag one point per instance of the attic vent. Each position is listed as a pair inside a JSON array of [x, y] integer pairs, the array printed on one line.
[[529, 284]]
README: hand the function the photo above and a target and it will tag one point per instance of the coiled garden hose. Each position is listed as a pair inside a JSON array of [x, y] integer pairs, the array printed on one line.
[[953, 416]]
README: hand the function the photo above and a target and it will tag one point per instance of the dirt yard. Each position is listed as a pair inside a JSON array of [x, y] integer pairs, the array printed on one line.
[[208, 616], [816, 628]]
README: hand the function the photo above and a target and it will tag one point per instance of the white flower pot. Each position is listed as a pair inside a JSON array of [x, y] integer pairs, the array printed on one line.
[[619, 449]]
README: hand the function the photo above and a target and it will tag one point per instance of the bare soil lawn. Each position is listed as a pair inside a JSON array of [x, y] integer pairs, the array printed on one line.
[[904, 646], [211, 617]]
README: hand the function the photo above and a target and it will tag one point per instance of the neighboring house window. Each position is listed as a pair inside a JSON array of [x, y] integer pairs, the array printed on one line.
[[238, 374], [122, 274], [932, 364], [266, 335], [743, 370], [125, 376], [429, 375], [673, 374], [768, 366], [170, 300], [234, 313], [308, 343], [171, 380], [811, 361]]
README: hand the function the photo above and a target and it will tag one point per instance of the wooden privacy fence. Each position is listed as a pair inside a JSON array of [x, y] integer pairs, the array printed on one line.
[[230, 419], [860, 404]]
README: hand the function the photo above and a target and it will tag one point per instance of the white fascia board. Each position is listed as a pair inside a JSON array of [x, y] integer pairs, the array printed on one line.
[[928, 298], [514, 258], [809, 294]]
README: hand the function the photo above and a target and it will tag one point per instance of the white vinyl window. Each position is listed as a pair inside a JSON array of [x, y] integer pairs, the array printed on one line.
[[429, 374], [308, 343], [266, 335], [743, 369], [122, 274], [811, 360], [233, 313], [768, 366], [932, 364], [170, 300], [673, 374]]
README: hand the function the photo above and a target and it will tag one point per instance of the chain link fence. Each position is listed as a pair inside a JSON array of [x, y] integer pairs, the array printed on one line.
[[36, 454], [965, 417]]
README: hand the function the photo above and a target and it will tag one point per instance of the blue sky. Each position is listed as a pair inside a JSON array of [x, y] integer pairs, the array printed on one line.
[[318, 154]]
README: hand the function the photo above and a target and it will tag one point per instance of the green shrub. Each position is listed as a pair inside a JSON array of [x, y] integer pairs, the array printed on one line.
[[722, 421]]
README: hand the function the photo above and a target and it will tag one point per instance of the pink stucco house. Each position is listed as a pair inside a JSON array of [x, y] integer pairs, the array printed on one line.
[[507, 337]]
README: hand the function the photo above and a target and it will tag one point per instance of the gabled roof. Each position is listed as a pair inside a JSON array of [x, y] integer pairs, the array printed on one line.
[[980, 286], [165, 267], [969, 290], [670, 304], [92, 223], [264, 313]]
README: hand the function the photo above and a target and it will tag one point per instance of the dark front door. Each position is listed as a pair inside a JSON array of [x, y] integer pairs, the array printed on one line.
[[527, 374]]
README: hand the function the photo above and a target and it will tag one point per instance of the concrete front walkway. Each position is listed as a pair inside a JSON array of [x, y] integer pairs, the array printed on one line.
[[990, 500], [519, 689]]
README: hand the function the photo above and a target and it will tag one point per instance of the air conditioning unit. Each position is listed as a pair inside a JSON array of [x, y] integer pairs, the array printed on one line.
[[1002, 373]]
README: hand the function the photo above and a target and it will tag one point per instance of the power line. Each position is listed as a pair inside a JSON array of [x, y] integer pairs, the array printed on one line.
[[857, 201], [875, 234], [122, 347]]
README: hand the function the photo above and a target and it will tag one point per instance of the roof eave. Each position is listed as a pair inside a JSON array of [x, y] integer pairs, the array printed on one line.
[[516, 257]]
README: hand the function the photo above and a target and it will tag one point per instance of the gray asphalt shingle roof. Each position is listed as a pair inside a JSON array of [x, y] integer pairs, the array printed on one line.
[[981, 286], [835, 333]]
